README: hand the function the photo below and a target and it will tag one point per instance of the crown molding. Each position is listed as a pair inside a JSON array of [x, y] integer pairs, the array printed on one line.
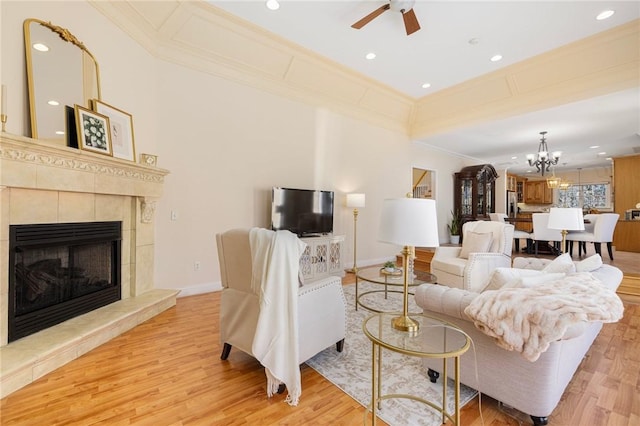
[[199, 36], [604, 63]]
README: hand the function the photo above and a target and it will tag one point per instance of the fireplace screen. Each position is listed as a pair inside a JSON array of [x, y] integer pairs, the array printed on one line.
[[59, 272]]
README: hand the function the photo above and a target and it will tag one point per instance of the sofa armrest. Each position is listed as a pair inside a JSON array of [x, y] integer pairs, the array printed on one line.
[[479, 268], [440, 299]]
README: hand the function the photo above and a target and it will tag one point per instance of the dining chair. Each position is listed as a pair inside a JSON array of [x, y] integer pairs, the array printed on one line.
[[542, 232], [602, 228], [517, 234]]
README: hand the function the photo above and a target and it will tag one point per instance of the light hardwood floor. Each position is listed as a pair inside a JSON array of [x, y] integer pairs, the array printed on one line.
[[167, 371]]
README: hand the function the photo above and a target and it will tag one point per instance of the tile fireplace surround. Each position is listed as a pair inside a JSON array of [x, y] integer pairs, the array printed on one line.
[[45, 183]]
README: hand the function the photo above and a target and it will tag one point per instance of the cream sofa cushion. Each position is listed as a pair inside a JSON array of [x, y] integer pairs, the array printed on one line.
[[589, 264], [562, 263], [514, 277]]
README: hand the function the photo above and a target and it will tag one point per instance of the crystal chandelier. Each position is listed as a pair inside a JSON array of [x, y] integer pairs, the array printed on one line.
[[543, 162]]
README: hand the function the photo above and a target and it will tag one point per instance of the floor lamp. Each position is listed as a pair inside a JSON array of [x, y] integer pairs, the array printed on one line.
[[408, 222], [565, 219], [355, 201]]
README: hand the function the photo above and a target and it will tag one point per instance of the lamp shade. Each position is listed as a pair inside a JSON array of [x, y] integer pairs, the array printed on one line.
[[569, 219], [409, 222], [355, 200]]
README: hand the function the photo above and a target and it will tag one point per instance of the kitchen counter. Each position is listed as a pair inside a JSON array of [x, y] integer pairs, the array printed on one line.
[[626, 236]]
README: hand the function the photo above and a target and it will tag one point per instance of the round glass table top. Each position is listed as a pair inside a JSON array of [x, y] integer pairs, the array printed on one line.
[[376, 274], [434, 338]]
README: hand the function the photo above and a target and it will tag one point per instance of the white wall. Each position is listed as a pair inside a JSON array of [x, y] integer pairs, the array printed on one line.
[[227, 144]]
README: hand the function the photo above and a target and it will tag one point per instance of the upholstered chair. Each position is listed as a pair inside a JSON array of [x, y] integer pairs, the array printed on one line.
[[600, 231], [517, 233], [321, 303], [486, 245]]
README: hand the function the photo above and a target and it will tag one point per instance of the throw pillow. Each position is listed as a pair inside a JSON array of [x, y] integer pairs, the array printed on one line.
[[508, 277], [475, 242], [533, 281], [589, 264], [562, 263]]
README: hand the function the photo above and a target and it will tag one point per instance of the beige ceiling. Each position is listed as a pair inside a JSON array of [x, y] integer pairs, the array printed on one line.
[[307, 50]]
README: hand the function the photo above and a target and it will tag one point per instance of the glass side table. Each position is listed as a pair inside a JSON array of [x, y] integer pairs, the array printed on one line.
[[434, 339], [375, 275]]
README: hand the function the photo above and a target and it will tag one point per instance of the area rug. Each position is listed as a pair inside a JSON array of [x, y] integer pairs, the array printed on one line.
[[350, 370]]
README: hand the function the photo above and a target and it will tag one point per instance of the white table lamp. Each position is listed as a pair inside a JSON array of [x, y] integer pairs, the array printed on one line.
[[409, 222], [565, 219], [355, 201]]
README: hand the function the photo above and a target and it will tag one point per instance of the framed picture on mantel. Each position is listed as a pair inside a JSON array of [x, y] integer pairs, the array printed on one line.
[[93, 131], [120, 129]]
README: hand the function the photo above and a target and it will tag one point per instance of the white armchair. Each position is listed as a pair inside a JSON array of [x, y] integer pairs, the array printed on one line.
[[321, 303], [486, 245]]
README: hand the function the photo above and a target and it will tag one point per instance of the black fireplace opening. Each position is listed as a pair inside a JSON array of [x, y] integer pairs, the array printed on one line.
[[60, 271]]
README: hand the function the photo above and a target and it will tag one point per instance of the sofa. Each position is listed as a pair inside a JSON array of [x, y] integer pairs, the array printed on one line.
[[533, 388]]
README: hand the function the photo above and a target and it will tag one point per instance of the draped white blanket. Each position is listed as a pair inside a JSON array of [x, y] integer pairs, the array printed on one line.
[[275, 257], [528, 319]]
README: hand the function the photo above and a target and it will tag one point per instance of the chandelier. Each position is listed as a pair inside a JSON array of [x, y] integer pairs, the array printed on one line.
[[543, 162]]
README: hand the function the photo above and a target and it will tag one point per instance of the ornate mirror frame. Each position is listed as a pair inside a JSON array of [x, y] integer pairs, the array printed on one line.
[[63, 72]]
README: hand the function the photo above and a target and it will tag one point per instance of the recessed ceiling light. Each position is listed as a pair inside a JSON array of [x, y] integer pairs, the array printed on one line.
[[605, 14], [514, 158], [594, 146], [41, 47], [602, 153], [272, 4], [370, 55], [59, 132], [609, 158], [53, 103], [496, 58], [426, 85]]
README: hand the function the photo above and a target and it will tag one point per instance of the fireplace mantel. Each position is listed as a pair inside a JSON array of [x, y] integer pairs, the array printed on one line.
[[30, 163], [41, 182]]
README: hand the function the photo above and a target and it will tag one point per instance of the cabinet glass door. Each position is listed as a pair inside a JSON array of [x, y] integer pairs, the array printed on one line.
[[467, 197]]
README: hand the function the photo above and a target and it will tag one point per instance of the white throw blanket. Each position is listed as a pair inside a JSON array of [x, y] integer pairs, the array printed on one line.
[[528, 319], [275, 257]]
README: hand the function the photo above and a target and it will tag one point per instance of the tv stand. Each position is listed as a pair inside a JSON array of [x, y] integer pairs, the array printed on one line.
[[322, 257]]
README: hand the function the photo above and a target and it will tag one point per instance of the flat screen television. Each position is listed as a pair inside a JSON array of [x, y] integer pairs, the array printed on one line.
[[304, 212]]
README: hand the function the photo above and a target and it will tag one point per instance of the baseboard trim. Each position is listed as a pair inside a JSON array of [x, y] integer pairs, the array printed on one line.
[[199, 289]]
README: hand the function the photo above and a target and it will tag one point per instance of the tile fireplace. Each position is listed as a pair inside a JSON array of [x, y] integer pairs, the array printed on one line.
[[47, 185]]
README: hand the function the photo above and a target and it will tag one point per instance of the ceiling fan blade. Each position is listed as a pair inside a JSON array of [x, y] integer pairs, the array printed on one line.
[[370, 17], [410, 21]]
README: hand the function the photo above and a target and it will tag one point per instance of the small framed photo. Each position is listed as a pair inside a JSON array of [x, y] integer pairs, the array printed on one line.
[[93, 131], [120, 129]]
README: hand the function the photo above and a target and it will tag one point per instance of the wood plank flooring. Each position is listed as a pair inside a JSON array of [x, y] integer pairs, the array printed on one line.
[[168, 371]]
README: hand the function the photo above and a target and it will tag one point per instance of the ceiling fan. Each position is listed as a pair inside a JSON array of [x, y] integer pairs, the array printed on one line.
[[403, 6]]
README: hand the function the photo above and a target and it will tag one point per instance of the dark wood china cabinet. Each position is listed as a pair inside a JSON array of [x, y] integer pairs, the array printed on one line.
[[475, 193]]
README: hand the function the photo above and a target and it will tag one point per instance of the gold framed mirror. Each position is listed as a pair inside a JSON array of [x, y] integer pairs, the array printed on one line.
[[60, 71]]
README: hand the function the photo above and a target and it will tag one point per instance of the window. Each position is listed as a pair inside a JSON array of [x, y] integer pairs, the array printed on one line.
[[592, 195]]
